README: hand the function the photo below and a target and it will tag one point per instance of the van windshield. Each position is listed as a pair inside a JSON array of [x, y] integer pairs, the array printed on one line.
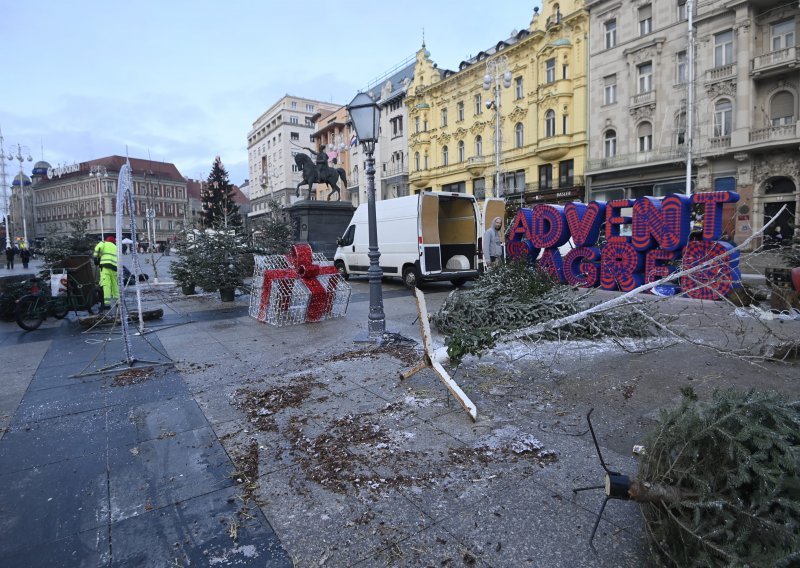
[[349, 235]]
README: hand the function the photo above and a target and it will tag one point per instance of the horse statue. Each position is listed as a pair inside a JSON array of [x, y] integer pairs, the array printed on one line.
[[311, 176]]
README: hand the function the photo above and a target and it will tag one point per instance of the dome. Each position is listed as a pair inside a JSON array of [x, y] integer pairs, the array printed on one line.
[[40, 168], [25, 180]]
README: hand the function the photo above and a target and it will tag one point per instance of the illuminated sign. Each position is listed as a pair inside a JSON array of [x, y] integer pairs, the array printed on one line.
[[660, 238], [61, 170]]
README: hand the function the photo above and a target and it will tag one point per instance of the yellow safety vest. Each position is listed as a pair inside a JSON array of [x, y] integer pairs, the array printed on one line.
[[107, 253]]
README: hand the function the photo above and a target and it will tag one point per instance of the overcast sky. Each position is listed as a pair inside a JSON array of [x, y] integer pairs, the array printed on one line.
[[184, 80]]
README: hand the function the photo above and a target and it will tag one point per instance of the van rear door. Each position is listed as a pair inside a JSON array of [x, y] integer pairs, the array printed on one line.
[[430, 246]]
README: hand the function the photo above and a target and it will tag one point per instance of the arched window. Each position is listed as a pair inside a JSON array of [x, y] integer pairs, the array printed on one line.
[[478, 146], [416, 161], [644, 134], [781, 109], [723, 118], [425, 159], [610, 144], [519, 135], [680, 129], [444, 155], [550, 123], [460, 150]]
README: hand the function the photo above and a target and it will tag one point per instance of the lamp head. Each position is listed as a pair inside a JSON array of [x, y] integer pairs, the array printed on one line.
[[364, 114], [489, 104]]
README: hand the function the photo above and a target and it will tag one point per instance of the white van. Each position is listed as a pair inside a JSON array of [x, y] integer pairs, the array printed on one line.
[[424, 237]]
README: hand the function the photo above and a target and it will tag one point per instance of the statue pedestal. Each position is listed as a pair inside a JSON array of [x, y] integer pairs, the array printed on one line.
[[320, 223]]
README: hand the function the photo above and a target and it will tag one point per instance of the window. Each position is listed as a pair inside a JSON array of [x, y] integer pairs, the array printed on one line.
[[460, 150], [646, 19], [460, 111], [781, 109], [564, 123], [519, 135], [294, 120], [444, 117], [723, 48], [610, 90], [545, 177], [645, 136], [645, 75], [416, 124], [550, 123], [478, 104], [425, 161], [416, 161], [680, 129], [478, 146], [309, 108], [782, 35], [294, 104], [723, 118], [518, 88], [681, 67], [566, 173], [479, 188], [610, 33], [550, 70], [610, 144], [682, 13], [565, 71], [445, 155], [294, 135]]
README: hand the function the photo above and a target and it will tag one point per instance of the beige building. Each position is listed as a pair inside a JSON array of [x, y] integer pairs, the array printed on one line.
[[159, 195], [277, 135], [745, 133]]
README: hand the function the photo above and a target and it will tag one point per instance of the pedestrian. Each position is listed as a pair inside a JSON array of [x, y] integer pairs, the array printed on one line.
[[25, 256], [11, 252], [105, 256], [493, 244]]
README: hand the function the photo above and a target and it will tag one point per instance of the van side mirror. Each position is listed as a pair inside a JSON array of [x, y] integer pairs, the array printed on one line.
[[339, 241]]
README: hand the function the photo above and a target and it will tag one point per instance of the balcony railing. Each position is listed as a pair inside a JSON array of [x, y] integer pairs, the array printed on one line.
[[393, 169], [719, 142], [780, 58], [786, 132], [624, 160], [721, 73], [643, 99]]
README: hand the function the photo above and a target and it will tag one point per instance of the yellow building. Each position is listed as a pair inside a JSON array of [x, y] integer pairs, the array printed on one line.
[[540, 74]]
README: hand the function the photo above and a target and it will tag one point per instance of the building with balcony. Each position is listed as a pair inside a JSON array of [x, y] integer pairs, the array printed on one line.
[[542, 115], [333, 136], [276, 136], [744, 134], [70, 194]]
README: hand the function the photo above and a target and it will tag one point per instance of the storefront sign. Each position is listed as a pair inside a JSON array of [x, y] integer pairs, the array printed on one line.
[[660, 229], [61, 170]]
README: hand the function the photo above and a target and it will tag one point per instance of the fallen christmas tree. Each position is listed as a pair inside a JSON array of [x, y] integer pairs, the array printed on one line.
[[512, 297], [736, 461]]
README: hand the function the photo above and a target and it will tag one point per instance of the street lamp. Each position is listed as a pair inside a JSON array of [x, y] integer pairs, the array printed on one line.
[[99, 171], [4, 188], [496, 70], [22, 154], [364, 114]]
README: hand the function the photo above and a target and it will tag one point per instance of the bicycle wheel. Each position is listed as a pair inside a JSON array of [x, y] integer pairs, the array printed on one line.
[[61, 308], [30, 312]]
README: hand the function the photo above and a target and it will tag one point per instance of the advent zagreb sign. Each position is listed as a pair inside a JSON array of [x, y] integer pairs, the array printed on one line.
[[660, 230]]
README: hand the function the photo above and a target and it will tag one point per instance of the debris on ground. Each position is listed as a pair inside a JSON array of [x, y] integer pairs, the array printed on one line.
[[132, 376]]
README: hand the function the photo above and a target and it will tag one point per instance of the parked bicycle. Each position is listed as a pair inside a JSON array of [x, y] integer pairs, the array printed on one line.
[[77, 291]]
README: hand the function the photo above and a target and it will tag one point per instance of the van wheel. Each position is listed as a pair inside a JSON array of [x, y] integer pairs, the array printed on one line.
[[410, 277], [342, 269], [458, 282]]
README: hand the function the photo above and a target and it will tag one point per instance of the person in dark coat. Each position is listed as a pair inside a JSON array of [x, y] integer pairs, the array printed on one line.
[[11, 252], [25, 257]]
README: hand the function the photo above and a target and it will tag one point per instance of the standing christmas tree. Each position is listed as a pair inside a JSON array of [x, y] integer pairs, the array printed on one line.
[[219, 208]]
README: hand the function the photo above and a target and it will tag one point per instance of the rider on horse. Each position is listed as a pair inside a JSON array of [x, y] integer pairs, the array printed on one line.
[[321, 160]]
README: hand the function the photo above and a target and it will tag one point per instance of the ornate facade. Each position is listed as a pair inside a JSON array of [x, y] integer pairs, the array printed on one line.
[[745, 133], [541, 112]]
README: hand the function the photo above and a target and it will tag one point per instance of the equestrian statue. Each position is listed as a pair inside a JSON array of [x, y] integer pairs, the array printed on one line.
[[318, 171]]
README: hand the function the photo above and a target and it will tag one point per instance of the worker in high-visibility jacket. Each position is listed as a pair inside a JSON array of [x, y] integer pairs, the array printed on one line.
[[105, 256]]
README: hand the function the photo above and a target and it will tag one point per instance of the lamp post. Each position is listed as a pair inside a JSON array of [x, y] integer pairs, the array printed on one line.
[[364, 114], [22, 154], [99, 172], [4, 189], [496, 70]]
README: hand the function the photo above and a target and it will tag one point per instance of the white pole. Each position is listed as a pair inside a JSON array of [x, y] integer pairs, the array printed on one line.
[[4, 188], [690, 96]]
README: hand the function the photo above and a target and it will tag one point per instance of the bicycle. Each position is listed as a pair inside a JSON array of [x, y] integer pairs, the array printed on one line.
[[80, 293]]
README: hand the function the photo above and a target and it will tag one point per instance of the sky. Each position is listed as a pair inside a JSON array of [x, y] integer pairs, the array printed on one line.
[[183, 81]]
